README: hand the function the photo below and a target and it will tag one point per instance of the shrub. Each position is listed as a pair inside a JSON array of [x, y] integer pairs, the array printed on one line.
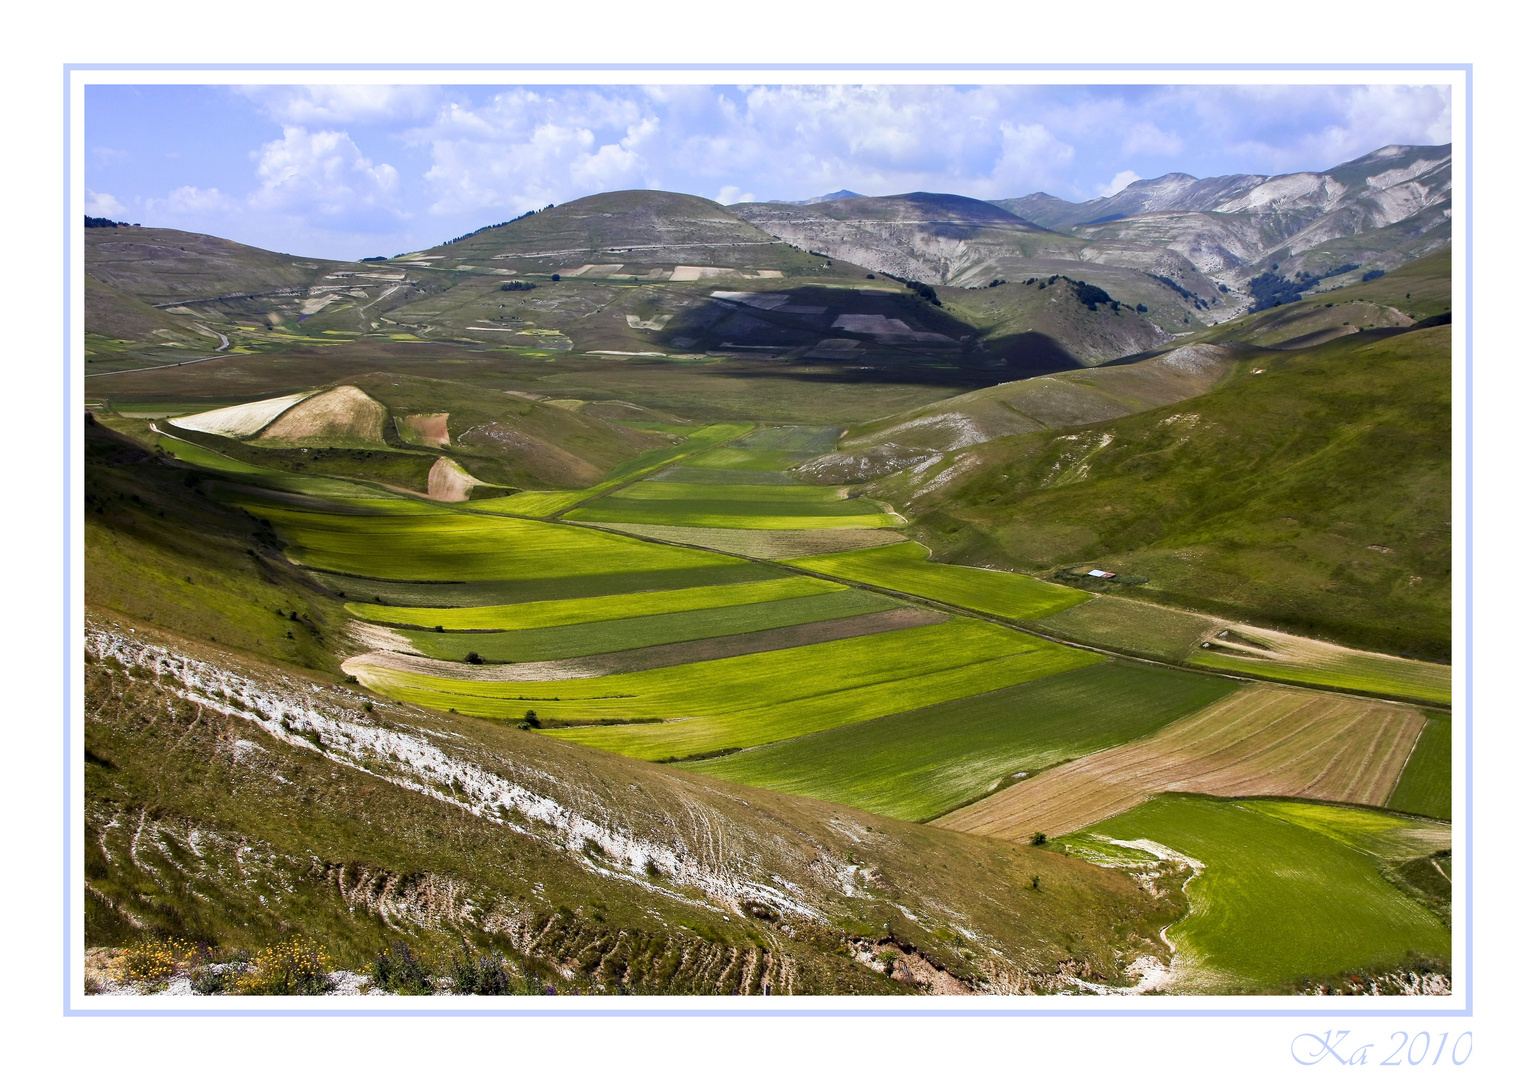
[[474, 658], [152, 961], [531, 718], [297, 967], [397, 970], [485, 974], [1038, 839]]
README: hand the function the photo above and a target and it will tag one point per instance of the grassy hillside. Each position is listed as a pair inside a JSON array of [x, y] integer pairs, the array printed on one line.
[[358, 821], [1265, 499]]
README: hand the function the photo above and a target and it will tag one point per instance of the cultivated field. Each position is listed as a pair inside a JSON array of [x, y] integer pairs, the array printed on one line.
[[614, 634], [239, 421], [1425, 785], [1258, 741], [1111, 622], [1285, 891], [746, 700], [341, 417], [767, 543], [1251, 650], [621, 605], [917, 765], [904, 568]]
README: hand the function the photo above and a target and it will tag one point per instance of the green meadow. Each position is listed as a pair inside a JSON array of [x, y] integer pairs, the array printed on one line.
[[415, 542], [743, 701], [920, 764], [1289, 890], [619, 605], [1425, 785], [619, 634], [905, 568]]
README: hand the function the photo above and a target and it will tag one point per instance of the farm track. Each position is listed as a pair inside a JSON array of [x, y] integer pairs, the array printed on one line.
[[1260, 741]]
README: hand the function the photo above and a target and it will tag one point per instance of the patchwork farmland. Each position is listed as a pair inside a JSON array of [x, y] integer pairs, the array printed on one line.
[[700, 579]]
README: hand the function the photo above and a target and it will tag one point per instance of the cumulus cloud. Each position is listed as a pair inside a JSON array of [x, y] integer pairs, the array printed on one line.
[[323, 173], [344, 104], [101, 204]]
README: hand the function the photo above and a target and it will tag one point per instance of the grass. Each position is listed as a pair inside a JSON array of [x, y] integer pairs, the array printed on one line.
[[1264, 500], [1343, 669], [616, 634], [904, 568], [917, 765], [1425, 785], [622, 605], [452, 594], [413, 542], [1112, 622], [697, 506], [747, 700], [1289, 891]]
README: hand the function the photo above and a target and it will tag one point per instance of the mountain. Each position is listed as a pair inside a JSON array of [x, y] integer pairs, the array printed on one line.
[[831, 196], [1378, 211]]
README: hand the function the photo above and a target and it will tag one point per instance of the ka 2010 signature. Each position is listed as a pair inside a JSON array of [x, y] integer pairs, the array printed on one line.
[[1402, 1048]]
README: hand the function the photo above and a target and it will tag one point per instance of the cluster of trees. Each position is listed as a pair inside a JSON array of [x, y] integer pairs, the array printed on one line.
[[520, 286], [1181, 290], [499, 224], [1270, 289], [103, 223], [921, 288], [1090, 296]]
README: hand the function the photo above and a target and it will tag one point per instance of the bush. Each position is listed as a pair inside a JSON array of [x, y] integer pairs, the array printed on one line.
[[1038, 839], [298, 967], [531, 718], [397, 970], [474, 658], [485, 975]]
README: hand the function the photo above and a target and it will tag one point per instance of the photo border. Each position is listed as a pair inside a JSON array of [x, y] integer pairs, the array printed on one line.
[[76, 1003]]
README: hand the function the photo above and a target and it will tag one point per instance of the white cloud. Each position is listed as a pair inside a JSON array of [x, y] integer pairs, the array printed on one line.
[[1121, 181], [100, 204], [344, 104], [1147, 138], [733, 194], [322, 172]]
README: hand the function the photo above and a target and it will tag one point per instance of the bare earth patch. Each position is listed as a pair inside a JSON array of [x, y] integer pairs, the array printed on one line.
[[239, 421], [343, 413], [1259, 741], [428, 428], [448, 482]]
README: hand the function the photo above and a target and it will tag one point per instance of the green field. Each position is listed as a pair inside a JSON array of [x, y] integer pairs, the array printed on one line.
[[693, 474], [1369, 672], [1111, 622], [452, 594], [735, 506], [904, 568], [559, 642], [920, 764], [620, 605], [747, 700], [1289, 891], [414, 542], [1425, 785]]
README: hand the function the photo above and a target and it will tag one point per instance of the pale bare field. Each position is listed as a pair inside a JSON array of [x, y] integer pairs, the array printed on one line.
[[239, 421], [1259, 741], [448, 482], [343, 413]]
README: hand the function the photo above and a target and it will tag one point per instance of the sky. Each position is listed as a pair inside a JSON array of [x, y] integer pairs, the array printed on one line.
[[347, 171]]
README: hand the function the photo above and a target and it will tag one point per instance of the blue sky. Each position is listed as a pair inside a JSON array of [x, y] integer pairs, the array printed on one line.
[[347, 171]]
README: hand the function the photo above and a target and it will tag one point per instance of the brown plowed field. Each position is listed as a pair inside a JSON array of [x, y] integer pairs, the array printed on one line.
[[343, 413], [1259, 741], [428, 428]]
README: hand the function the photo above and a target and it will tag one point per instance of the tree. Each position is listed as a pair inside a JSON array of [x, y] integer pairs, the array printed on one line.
[[474, 658], [1038, 839]]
